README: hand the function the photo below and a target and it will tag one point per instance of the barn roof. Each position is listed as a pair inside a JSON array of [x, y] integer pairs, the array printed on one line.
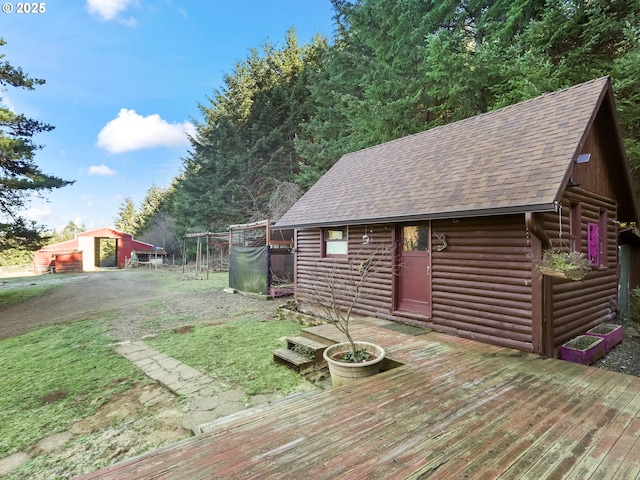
[[511, 160], [72, 245]]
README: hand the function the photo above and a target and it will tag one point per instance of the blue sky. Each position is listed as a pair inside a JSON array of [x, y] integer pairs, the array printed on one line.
[[123, 81]]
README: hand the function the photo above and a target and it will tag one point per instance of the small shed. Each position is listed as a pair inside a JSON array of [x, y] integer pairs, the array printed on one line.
[[153, 257], [261, 259], [90, 250], [460, 215]]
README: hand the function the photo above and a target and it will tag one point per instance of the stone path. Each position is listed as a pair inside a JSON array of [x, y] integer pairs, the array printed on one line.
[[208, 402], [206, 399]]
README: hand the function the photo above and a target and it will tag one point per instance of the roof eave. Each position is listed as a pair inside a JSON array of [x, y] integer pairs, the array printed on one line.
[[481, 212]]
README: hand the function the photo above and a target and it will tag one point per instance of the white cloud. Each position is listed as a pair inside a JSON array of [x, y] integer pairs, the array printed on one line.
[[5, 102], [100, 170], [108, 9], [131, 131], [38, 214]]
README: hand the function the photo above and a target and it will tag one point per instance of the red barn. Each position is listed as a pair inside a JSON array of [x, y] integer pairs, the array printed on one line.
[[92, 250]]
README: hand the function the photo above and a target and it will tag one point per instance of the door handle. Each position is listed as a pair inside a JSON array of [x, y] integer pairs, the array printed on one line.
[[428, 270]]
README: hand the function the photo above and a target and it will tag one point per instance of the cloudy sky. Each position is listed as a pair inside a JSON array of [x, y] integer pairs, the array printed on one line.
[[123, 80]]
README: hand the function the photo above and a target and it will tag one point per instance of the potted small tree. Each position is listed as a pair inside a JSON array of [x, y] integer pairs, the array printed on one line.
[[569, 265], [336, 298]]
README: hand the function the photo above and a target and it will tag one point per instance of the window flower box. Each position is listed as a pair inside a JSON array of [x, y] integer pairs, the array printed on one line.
[[611, 333], [583, 349]]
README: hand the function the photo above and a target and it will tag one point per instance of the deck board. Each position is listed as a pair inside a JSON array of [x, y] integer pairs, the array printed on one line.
[[456, 409]]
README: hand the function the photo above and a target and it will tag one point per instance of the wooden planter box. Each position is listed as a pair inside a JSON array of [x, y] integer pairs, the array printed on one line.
[[609, 332], [583, 349]]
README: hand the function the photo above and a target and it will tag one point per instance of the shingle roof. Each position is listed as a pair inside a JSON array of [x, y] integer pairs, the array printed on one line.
[[510, 160]]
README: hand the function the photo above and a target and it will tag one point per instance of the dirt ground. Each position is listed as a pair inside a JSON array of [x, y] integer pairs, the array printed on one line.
[[133, 296], [144, 417]]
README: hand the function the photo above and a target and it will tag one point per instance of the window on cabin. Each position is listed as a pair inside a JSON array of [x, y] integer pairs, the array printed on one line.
[[597, 241], [334, 242], [415, 238]]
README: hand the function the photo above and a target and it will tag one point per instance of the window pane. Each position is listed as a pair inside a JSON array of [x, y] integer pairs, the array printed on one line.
[[336, 248], [415, 238], [335, 234]]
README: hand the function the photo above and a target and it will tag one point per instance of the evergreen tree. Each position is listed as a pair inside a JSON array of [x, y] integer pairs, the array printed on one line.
[[573, 41], [67, 233], [128, 219], [402, 66], [394, 67], [245, 146], [150, 207], [20, 177]]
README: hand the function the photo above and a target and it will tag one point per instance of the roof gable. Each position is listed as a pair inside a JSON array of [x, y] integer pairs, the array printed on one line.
[[510, 160], [97, 233], [104, 232]]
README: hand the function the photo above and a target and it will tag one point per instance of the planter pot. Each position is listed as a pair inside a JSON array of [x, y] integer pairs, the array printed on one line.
[[575, 275], [583, 349], [609, 332], [343, 373]]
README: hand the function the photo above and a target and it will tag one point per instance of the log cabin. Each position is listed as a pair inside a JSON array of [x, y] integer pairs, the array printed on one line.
[[458, 218]]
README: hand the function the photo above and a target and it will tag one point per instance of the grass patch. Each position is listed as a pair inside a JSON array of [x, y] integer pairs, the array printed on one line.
[[55, 376], [177, 281], [18, 289], [20, 294], [239, 353]]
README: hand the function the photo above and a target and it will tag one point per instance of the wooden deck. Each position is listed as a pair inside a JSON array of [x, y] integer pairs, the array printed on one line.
[[456, 409]]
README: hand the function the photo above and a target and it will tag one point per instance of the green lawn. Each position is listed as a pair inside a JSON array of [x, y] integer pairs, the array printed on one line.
[[18, 289], [55, 376], [60, 374], [238, 353]]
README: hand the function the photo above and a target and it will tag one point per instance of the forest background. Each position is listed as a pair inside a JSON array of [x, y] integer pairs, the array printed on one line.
[[286, 113]]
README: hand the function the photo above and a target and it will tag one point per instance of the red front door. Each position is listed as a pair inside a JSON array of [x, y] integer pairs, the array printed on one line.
[[414, 268]]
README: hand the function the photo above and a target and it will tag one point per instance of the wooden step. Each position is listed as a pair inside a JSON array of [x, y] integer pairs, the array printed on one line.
[[317, 347], [318, 337], [307, 342], [291, 358]]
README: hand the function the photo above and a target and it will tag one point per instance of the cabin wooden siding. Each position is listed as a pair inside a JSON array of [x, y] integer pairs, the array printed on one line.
[[481, 281], [578, 306], [601, 175], [484, 281], [313, 271]]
